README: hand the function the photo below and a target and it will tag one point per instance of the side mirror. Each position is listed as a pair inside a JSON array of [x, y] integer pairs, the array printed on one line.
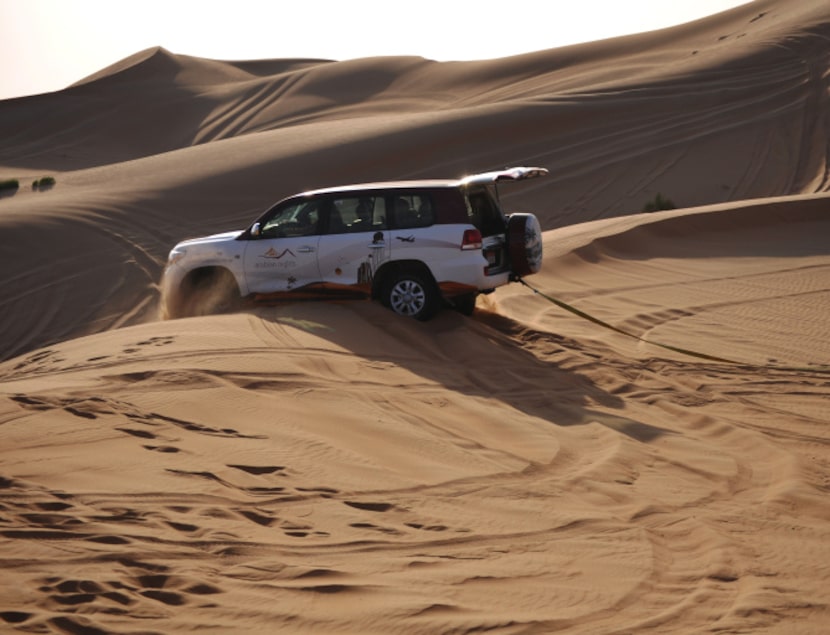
[[256, 230]]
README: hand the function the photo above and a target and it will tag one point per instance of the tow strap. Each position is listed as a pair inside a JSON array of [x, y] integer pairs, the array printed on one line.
[[595, 320]]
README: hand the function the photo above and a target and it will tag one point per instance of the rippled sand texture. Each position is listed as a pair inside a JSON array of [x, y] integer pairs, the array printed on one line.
[[332, 468]]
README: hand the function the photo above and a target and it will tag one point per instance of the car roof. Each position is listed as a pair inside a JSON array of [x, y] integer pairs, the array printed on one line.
[[385, 185], [484, 178]]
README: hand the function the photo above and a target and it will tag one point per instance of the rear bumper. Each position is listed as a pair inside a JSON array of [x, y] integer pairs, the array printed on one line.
[[452, 288]]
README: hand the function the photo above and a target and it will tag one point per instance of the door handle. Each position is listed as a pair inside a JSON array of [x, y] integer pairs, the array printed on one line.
[[305, 249]]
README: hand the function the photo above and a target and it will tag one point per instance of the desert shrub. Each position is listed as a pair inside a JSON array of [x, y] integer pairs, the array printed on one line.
[[658, 203], [9, 186], [43, 183]]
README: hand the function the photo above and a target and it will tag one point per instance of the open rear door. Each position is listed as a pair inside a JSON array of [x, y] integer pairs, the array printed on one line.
[[508, 174]]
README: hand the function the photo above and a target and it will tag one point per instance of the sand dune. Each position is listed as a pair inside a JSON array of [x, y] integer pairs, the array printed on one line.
[[186, 146], [329, 467]]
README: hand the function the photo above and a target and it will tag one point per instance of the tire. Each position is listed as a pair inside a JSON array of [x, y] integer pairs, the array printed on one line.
[[524, 244], [413, 295], [207, 292], [465, 304]]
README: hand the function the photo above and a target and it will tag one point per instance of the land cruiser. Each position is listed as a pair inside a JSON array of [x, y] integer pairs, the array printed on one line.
[[413, 245]]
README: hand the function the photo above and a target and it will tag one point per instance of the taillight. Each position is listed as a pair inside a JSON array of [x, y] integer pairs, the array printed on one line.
[[471, 239]]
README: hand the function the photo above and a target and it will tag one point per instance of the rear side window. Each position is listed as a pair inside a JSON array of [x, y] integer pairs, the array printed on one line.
[[409, 211], [356, 214]]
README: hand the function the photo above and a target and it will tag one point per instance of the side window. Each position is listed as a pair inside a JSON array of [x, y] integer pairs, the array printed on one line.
[[412, 210], [298, 218], [356, 214]]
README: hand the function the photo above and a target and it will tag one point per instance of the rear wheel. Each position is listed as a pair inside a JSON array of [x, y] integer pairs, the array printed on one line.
[[465, 304], [413, 295]]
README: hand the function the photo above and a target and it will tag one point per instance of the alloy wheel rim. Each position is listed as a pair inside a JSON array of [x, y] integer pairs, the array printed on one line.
[[407, 297]]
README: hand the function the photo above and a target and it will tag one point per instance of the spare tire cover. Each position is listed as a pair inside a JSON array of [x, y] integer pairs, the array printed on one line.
[[524, 244]]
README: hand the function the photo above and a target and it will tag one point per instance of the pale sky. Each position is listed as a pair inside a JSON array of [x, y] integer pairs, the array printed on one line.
[[46, 45]]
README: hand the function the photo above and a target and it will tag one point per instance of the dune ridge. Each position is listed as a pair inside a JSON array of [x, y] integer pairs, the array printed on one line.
[[328, 467]]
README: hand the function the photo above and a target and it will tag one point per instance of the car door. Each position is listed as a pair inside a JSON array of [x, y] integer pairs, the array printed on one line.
[[414, 234], [355, 242], [282, 253]]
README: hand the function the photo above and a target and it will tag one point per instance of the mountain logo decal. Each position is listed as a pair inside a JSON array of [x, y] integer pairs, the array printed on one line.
[[273, 255]]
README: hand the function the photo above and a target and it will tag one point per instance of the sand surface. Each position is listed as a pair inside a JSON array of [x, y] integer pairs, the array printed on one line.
[[329, 467]]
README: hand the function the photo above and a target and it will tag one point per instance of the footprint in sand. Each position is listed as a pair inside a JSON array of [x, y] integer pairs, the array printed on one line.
[[262, 470], [155, 586], [40, 359], [14, 617], [161, 340], [142, 434], [257, 469], [166, 449], [371, 507]]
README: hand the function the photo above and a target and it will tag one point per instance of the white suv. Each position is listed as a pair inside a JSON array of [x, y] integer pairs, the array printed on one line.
[[412, 244]]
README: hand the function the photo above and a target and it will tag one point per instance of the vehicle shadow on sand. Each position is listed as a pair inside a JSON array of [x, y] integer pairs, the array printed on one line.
[[486, 356]]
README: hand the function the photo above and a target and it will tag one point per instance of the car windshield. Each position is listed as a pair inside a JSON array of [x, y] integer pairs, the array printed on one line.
[[298, 218]]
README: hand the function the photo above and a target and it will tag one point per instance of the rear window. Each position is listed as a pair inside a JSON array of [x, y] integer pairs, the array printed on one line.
[[483, 212]]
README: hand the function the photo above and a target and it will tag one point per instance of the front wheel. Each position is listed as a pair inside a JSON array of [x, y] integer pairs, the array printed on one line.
[[205, 292], [412, 295]]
